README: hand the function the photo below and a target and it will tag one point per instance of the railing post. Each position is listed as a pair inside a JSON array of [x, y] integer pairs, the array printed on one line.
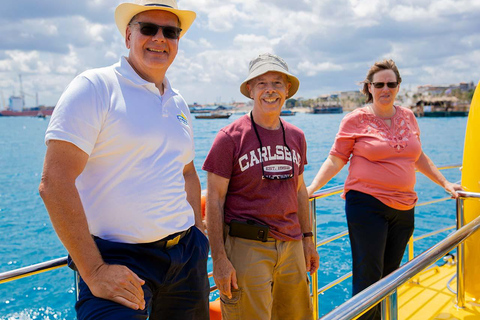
[[411, 252], [76, 280], [313, 220], [460, 258], [389, 307]]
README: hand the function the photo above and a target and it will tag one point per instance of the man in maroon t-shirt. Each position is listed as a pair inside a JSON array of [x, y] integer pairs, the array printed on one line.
[[257, 204]]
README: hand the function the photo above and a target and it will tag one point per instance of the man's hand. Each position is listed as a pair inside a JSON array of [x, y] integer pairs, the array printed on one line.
[[311, 255], [117, 283], [225, 276]]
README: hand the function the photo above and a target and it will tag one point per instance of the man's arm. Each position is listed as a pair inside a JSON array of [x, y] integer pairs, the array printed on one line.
[[309, 249], [63, 164], [428, 168], [193, 189], [223, 272]]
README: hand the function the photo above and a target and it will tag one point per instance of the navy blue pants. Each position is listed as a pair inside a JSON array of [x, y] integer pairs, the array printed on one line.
[[378, 237], [176, 280]]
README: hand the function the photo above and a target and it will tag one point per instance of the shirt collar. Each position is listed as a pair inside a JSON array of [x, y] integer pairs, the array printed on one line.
[[124, 68]]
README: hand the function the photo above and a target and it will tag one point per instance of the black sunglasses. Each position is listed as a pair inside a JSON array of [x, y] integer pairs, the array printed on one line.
[[151, 29], [276, 176], [379, 85]]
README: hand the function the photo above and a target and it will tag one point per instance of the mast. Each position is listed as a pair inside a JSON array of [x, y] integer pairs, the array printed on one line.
[[22, 95], [4, 106]]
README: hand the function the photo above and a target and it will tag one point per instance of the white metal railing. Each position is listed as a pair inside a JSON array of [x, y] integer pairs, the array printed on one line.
[[387, 286], [61, 262]]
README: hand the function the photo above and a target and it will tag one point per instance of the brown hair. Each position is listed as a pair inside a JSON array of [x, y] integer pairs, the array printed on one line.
[[379, 66]]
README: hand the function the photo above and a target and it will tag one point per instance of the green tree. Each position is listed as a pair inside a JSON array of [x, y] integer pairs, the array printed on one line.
[[470, 95], [290, 103]]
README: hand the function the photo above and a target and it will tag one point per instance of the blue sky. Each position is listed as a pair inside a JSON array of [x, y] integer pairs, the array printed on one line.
[[328, 44]]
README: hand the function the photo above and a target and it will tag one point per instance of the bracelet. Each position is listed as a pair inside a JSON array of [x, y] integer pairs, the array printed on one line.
[[307, 234]]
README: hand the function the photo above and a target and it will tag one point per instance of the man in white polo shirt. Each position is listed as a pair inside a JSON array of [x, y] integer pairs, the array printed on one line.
[[119, 181]]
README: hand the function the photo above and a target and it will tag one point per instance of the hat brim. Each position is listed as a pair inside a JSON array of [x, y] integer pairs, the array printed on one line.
[[294, 82], [126, 11]]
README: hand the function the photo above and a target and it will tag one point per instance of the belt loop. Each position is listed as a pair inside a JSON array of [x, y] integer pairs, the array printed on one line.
[[226, 229]]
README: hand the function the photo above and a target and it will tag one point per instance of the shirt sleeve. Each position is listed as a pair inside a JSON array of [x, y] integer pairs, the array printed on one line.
[[413, 121], [220, 158], [345, 139], [78, 115], [304, 155]]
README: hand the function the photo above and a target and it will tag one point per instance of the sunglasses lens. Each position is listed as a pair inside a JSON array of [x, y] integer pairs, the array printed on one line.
[[151, 29], [148, 29], [171, 32], [380, 85]]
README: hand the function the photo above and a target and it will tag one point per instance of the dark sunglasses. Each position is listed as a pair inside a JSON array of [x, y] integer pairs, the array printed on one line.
[[151, 29], [271, 176], [380, 85]]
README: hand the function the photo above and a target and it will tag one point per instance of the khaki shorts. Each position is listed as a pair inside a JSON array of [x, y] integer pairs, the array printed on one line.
[[272, 281]]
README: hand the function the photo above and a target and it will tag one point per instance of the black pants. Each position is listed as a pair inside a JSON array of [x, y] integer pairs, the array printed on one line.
[[378, 237], [176, 280]]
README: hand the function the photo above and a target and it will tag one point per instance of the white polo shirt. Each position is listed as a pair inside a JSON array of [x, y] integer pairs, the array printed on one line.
[[132, 188]]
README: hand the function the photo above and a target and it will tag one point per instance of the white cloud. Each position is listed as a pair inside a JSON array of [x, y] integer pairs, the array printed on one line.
[[69, 64], [312, 69], [204, 43], [409, 13], [328, 44], [27, 62], [223, 18], [95, 32], [368, 9]]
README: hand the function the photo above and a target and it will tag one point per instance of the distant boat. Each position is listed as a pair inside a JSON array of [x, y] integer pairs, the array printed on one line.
[[16, 109], [439, 107], [285, 113], [328, 109], [213, 115], [209, 109], [34, 112], [441, 114]]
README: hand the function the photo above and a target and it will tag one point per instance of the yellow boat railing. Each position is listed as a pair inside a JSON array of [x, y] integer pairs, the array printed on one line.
[[32, 270], [313, 217], [385, 290], [62, 262]]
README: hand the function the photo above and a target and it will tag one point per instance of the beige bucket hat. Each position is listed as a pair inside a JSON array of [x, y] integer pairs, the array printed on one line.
[[126, 11], [269, 62]]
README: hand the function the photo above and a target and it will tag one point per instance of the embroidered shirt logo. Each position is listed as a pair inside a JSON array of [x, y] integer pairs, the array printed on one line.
[[397, 136], [182, 118]]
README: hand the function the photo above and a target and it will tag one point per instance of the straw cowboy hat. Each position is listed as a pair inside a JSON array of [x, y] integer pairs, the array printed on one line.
[[126, 11], [269, 62]]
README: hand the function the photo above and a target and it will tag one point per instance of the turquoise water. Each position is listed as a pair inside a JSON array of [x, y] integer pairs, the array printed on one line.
[[27, 237]]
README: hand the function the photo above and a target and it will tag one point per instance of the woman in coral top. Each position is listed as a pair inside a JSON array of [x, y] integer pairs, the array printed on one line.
[[382, 142]]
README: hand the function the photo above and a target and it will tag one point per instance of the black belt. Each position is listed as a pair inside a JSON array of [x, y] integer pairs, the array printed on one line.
[[249, 229], [171, 240]]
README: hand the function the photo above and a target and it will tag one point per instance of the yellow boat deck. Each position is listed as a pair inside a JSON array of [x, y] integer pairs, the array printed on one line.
[[427, 297]]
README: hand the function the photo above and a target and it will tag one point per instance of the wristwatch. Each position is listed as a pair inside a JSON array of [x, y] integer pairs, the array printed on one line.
[[307, 234]]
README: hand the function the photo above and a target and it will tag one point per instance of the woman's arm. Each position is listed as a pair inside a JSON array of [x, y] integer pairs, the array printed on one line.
[[330, 167], [426, 166]]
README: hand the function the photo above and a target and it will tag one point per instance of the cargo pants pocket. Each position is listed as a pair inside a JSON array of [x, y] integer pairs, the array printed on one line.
[[231, 306]]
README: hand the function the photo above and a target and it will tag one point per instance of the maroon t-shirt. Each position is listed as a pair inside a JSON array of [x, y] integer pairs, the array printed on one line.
[[236, 154]]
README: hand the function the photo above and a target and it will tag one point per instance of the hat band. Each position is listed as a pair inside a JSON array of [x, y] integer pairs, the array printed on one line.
[[158, 5]]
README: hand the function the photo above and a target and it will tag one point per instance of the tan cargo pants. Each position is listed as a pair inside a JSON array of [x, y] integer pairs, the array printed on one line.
[[272, 281]]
